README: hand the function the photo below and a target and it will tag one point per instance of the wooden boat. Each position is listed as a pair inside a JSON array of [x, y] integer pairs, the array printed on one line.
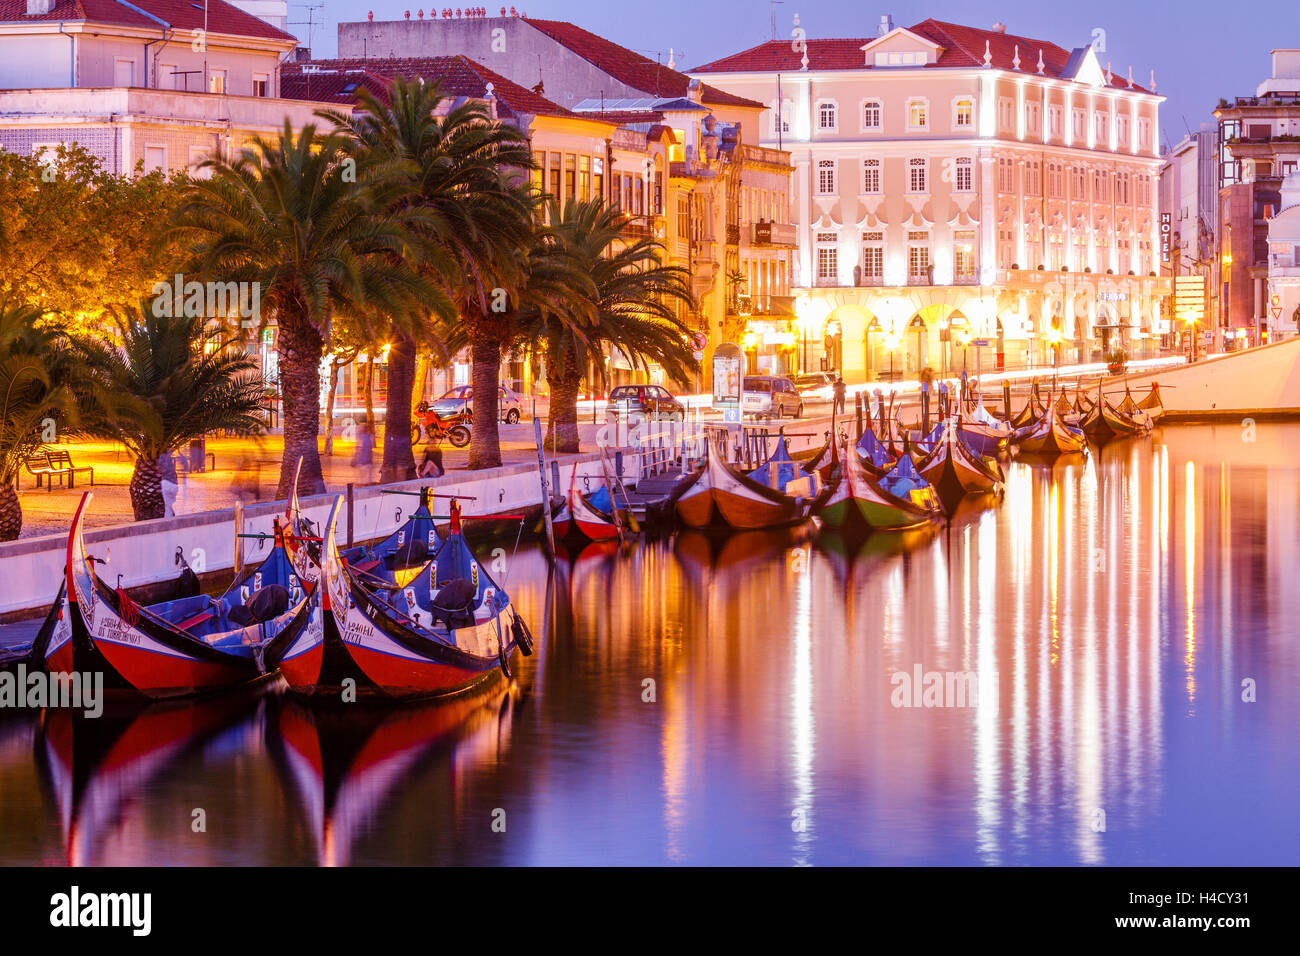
[[407, 548], [1135, 412], [1034, 409], [1050, 436], [983, 434], [1152, 404], [842, 508], [954, 471], [589, 515], [1105, 422], [873, 454], [901, 499], [776, 493], [445, 631], [187, 646]]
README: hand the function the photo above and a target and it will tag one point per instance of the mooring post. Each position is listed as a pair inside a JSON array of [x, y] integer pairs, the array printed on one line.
[[350, 513]]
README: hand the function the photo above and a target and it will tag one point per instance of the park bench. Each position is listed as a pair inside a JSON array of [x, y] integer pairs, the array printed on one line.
[[52, 462]]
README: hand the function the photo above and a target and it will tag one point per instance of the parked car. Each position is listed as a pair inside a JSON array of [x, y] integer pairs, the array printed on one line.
[[816, 386], [770, 396], [509, 404], [644, 401]]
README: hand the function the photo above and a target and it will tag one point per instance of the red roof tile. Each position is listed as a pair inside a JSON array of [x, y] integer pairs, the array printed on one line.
[[963, 47], [458, 75], [222, 17], [626, 66]]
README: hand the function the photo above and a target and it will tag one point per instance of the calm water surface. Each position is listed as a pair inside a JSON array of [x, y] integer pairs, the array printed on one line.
[[1116, 609]]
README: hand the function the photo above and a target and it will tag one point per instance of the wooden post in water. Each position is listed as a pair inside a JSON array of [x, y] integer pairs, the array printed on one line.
[[239, 542], [351, 514], [541, 475], [1006, 399]]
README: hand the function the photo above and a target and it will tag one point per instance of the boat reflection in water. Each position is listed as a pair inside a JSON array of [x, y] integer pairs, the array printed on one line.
[[344, 764], [99, 771]]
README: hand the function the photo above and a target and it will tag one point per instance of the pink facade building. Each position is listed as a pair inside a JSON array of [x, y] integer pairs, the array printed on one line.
[[962, 196]]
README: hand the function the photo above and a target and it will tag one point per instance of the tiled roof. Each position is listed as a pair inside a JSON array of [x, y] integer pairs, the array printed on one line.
[[458, 75], [963, 47], [627, 66], [222, 17]]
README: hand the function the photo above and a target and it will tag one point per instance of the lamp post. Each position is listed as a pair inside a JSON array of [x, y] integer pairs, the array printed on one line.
[[963, 339], [891, 345]]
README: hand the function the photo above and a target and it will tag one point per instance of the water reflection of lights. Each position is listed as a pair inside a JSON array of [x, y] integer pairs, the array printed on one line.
[[801, 717]]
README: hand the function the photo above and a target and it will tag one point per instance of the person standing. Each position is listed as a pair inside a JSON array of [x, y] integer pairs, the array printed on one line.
[[841, 390]]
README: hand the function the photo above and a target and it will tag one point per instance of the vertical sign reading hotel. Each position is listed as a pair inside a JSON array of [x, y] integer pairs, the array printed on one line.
[[1165, 229]]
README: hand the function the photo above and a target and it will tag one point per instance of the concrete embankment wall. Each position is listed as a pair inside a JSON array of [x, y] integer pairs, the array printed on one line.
[[1259, 383], [145, 552]]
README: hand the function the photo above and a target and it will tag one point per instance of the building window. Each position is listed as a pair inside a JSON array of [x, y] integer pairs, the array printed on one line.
[[571, 178], [963, 256], [1100, 186], [963, 175], [1006, 113], [1122, 188], [918, 114], [826, 177], [1055, 181], [155, 159], [1121, 130], [1033, 178], [963, 115], [1099, 130], [918, 257], [1032, 117], [1080, 252], [1144, 134], [871, 115], [1080, 125], [1006, 175], [781, 113], [827, 259], [916, 176], [261, 84], [1055, 125], [1079, 184], [826, 116], [910, 58], [683, 217], [873, 258], [870, 176], [1006, 248], [217, 81], [123, 72]]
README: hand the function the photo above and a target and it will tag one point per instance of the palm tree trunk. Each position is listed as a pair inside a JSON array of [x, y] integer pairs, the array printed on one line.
[[11, 512], [299, 348], [329, 408], [422, 365], [485, 446], [370, 392], [562, 429], [399, 462], [146, 490]]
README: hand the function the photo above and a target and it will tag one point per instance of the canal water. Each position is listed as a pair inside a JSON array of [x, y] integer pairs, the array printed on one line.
[[1101, 668]]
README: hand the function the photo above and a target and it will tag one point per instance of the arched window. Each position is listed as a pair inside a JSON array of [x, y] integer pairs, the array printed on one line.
[[963, 113], [872, 115]]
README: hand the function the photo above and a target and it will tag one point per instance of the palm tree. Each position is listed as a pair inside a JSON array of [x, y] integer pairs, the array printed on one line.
[[635, 298], [465, 179], [295, 216], [38, 399], [173, 382]]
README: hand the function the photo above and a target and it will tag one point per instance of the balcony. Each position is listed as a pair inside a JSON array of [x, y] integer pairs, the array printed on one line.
[[775, 234], [761, 155]]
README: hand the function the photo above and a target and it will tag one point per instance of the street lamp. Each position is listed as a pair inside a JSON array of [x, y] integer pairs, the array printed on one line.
[[891, 345], [963, 339]]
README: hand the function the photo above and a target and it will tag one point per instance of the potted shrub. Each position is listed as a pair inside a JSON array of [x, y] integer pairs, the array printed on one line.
[[1116, 360]]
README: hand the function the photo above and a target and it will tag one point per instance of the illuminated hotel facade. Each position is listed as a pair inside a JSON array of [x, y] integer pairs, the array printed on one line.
[[961, 196]]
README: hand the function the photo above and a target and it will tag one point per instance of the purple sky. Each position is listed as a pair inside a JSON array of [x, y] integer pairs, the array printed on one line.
[[1200, 52]]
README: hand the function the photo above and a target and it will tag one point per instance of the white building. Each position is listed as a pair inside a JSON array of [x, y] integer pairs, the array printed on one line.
[[962, 195]]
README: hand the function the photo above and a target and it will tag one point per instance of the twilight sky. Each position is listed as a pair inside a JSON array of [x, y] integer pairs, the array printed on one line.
[[1200, 51]]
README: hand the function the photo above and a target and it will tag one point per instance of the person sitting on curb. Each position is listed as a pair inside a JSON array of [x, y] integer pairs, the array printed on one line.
[[431, 466]]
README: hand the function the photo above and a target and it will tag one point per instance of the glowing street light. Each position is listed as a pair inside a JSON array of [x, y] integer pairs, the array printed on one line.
[[891, 346]]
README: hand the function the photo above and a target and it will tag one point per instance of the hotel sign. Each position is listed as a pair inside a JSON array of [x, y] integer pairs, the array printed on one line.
[[1166, 235]]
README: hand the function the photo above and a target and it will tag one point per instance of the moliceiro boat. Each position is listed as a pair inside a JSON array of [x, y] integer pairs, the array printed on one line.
[[1049, 436], [186, 646], [954, 470], [901, 499], [589, 515], [444, 631], [776, 493]]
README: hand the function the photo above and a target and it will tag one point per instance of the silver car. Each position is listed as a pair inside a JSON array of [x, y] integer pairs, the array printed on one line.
[[510, 406], [770, 396]]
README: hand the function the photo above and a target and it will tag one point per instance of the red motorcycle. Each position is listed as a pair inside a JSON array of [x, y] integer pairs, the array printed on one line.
[[434, 428]]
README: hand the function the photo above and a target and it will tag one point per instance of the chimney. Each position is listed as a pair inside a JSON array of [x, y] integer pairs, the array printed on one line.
[[886, 25], [36, 8], [999, 28]]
